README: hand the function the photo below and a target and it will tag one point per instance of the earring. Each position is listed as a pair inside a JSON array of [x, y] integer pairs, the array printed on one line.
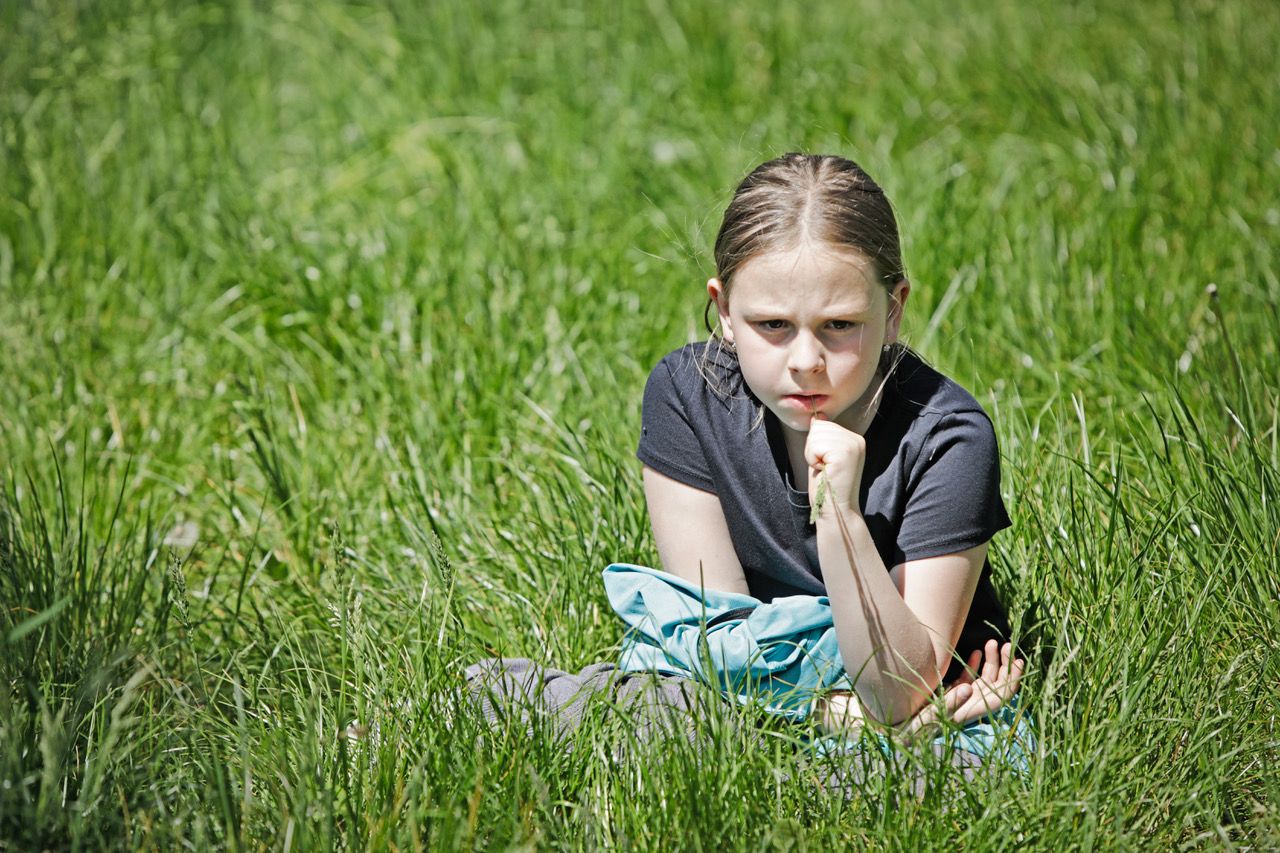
[[886, 348]]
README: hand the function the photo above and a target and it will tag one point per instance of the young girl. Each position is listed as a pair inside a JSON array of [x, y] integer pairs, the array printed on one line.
[[803, 451], [804, 392]]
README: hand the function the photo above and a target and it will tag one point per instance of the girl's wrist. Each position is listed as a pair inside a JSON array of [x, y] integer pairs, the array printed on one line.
[[831, 508], [828, 497]]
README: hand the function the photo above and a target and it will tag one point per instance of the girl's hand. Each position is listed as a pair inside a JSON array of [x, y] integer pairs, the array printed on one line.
[[991, 680], [994, 675], [838, 454]]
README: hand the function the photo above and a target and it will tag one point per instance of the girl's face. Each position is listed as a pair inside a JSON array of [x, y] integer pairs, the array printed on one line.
[[809, 325]]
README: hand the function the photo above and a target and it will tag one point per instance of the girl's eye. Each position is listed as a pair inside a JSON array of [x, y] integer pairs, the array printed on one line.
[[773, 325], [843, 325]]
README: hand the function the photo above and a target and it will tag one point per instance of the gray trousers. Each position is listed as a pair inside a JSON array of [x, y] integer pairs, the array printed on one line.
[[652, 707], [649, 705]]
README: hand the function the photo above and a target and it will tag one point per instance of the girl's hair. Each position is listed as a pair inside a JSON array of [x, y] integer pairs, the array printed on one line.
[[817, 197], [820, 197]]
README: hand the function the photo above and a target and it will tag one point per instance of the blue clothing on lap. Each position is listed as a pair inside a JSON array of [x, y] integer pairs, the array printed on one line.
[[777, 656]]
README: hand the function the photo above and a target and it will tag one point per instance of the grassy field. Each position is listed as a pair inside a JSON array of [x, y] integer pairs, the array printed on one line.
[[323, 328]]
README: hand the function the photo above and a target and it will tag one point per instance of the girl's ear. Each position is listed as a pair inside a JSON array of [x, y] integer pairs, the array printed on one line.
[[897, 304], [715, 291]]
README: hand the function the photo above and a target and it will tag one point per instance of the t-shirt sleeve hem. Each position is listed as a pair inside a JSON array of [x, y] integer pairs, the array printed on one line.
[[667, 469], [943, 549]]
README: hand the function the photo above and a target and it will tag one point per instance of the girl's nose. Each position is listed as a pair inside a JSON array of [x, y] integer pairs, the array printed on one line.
[[805, 355]]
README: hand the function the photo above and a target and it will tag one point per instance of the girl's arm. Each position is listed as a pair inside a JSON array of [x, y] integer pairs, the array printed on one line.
[[691, 534], [990, 681], [923, 602], [896, 630]]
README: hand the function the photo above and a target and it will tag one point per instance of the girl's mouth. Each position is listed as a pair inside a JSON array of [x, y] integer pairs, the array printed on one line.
[[807, 402]]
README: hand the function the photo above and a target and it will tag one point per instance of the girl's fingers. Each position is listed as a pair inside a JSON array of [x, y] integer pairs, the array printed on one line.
[[992, 677], [991, 661], [1010, 672], [979, 705], [970, 668], [955, 697], [953, 700], [1016, 669], [926, 716]]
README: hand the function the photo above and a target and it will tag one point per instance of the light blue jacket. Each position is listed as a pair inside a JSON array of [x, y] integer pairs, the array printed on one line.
[[775, 655]]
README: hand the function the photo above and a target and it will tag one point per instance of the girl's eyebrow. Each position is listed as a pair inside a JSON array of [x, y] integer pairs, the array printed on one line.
[[849, 310]]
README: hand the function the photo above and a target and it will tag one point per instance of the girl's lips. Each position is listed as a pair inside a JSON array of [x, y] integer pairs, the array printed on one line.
[[808, 402]]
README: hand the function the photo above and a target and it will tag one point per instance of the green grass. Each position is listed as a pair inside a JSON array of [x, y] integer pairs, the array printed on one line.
[[364, 296]]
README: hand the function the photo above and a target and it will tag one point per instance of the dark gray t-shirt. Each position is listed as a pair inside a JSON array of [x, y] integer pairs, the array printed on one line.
[[930, 484]]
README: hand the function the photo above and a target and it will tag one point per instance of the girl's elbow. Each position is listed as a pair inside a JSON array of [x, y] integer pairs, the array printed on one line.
[[896, 697]]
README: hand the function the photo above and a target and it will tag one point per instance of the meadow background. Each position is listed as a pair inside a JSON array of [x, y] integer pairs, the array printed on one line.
[[323, 328]]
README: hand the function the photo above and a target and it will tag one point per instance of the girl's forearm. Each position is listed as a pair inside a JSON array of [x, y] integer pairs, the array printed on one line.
[[887, 652]]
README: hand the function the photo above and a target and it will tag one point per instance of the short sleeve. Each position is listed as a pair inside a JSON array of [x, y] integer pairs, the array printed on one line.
[[953, 500], [668, 443]]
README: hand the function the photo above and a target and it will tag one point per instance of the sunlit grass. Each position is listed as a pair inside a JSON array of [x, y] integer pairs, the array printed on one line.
[[360, 301]]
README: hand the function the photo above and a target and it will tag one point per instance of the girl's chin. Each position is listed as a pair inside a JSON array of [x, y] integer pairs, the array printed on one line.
[[799, 420], [793, 418]]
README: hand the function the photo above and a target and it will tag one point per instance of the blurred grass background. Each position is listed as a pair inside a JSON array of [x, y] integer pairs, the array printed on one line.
[[323, 328]]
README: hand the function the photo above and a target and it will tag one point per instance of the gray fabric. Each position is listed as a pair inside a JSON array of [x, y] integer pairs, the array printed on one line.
[[654, 708], [930, 486]]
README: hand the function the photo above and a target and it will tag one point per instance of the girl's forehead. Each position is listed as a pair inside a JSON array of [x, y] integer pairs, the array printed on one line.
[[808, 272]]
